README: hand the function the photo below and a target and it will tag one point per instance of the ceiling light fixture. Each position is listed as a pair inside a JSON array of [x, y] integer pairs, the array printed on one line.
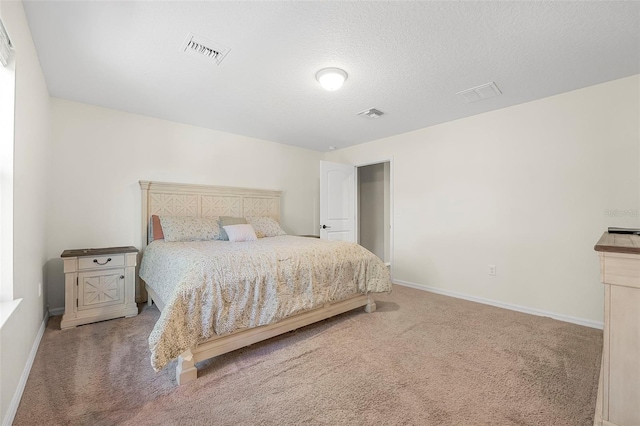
[[331, 78]]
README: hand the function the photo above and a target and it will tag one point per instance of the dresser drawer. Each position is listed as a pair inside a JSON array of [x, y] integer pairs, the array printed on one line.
[[621, 269], [101, 262]]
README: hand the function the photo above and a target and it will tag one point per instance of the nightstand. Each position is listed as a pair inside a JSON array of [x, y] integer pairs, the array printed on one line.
[[99, 284]]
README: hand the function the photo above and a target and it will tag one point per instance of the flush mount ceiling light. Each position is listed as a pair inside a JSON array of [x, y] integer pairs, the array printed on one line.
[[331, 78]]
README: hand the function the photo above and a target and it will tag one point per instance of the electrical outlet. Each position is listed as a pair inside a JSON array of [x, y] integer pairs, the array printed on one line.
[[39, 289], [492, 269]]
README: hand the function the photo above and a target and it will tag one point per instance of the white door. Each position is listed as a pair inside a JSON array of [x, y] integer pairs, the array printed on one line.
[[337, 201]]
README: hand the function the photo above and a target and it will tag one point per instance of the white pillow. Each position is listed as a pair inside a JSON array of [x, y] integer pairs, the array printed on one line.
[[188, 228], [265, 226], [239, 233]]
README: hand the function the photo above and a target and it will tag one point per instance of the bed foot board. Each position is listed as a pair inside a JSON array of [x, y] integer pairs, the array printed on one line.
[[186, 370], [370, 306]]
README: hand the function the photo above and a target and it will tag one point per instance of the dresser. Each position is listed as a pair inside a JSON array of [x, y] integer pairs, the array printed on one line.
[[619, 389], [99, 284]]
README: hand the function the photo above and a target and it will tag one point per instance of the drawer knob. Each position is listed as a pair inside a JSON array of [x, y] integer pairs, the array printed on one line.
[[122, 277], [96, 261]]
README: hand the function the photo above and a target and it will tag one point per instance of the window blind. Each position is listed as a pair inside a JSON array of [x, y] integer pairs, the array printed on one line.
[[6, 50]]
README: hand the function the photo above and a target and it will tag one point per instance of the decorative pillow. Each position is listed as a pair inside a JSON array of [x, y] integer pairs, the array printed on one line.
[[229, 220], [187, 228], [265, 226], [239, 233], [156, 228]]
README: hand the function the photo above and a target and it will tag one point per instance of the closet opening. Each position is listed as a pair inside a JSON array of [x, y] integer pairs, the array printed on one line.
[[374, 205]]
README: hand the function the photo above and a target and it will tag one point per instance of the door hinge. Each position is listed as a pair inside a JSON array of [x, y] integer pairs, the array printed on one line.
[[77, 303]]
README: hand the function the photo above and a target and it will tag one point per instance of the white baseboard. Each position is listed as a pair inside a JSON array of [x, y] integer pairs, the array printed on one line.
[[56, 311], [15, 401], [512, 307]]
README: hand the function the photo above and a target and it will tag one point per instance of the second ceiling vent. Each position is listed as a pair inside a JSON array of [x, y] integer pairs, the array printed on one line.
[[479, 93], [371, 113], [208, 50]]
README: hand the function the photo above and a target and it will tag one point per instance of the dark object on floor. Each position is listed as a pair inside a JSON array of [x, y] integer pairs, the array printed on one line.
[[634, 231]]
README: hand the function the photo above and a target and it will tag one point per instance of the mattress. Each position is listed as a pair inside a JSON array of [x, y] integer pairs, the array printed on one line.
[[217, 287]]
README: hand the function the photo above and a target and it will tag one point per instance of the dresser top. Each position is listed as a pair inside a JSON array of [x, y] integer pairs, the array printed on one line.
[[619, 243], [98, 251]]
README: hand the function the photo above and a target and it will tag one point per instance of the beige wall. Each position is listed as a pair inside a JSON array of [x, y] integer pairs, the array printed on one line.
[[101, 154], [528, 188], [31, 167]]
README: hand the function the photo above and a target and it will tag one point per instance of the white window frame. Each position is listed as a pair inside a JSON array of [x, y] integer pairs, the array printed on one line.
[[7, 122]]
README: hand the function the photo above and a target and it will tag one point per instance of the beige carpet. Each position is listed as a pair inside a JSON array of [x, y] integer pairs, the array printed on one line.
[[421, 359]]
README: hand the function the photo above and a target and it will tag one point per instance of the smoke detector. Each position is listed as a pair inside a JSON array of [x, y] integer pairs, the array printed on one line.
[[479, 93], [371, 113], [203, 48]]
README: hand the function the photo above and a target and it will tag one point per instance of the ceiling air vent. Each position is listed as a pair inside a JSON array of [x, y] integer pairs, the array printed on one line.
[[208, 50], [371, 113], [479, 93]]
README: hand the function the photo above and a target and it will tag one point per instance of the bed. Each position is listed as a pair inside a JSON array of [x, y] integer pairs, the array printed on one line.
[[218, 296]]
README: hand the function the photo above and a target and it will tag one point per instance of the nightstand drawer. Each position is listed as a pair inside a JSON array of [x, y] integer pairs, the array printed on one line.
[[101, 262]]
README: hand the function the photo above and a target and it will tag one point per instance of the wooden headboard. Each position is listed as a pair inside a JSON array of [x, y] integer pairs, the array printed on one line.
[[177, 199]]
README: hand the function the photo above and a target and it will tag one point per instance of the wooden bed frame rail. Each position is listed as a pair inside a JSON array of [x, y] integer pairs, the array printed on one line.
[[186, 370]]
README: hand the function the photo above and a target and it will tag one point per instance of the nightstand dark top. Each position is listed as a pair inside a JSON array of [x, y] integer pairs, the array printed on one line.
[[619, 243], [98, 251]]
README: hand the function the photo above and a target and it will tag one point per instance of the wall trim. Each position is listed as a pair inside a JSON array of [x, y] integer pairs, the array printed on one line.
[[560, 317], [17, 396]]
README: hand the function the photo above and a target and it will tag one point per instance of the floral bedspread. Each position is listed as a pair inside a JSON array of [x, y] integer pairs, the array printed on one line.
[[217, 287]]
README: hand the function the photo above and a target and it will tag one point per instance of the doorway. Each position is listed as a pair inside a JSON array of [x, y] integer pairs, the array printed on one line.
[[373, 189]]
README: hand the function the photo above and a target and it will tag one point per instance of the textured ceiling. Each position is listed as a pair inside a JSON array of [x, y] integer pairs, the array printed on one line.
[[407, 59]]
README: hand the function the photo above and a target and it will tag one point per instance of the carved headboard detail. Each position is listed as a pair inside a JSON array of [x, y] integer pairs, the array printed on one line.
[[177, 199]]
